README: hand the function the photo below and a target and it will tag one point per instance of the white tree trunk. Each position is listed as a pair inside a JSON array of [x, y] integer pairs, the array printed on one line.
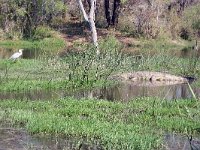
[[83, 10], [92, 23], [90, 20]]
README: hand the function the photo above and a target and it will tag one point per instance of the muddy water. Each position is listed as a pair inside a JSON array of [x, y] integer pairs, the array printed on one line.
[[187, 53], [178, 142], [31, 53], [122, 92], [5, 53], [18, 139], [13, 139], [126, 92]]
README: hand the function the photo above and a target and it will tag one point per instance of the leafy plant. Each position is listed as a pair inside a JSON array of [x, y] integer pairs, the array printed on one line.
[[86, 67], [42, 32]]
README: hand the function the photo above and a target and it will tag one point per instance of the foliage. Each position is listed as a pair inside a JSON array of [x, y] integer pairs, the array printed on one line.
[[175, 23], [138, 124], [191, 22], [42, 32], [87, 67], [47, 44], [84, 68], [146, 24], [146, 19], [24, 16]]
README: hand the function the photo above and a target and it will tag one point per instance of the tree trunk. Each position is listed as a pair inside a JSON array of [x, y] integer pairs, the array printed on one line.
[[92, 23], [107, 12], [83, 10], [90, 20], [116, 11], [34, 13], [28, 26], [112, 19]]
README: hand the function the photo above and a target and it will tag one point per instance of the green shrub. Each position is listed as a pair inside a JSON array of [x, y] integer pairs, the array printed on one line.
[[191, 22], [196, 25], [86, 67], [186, 33], [42, 32], [1, 34]]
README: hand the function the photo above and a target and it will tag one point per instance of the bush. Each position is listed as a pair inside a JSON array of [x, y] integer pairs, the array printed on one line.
[[191, 22], [186, 33], [1, 34], [42, 32], [85, 67], [196, 25], [13, 35]]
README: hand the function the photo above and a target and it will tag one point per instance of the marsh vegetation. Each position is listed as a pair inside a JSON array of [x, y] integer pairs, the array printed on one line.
[[58, 56]]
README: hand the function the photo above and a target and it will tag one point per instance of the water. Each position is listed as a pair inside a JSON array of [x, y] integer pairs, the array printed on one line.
[[180, 142], [121, 92], [126, 92], [31, 53], [5, 53], [18, 139]]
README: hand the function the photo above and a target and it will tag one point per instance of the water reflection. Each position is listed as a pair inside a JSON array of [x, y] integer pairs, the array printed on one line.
[[18, 139], [126, 92], [31, 95], [122, 92], [186, 53], [31, 53], [28, 53], [178, 142]]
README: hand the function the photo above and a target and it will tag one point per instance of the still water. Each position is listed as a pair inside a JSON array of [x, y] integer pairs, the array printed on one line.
[[28, 53], [18, 139], [33, 53], [121, 92]]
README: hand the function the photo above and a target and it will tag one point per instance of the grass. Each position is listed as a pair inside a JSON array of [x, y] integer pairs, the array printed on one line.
[[40, 74], [85, 69], [46, 44], [138, 124], [28, 74], [156, 46], [163, 45], [172, 64]]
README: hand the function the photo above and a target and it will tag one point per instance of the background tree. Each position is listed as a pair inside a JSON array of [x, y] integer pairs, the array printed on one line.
[[90, 18], [25, 15], [112, 18]]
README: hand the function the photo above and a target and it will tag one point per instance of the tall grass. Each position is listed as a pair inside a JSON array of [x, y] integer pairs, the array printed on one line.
[[86, 69]]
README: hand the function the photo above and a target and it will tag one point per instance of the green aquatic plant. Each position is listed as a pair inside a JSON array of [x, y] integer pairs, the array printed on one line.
[[85, 67], [138, 124], [46, 44]]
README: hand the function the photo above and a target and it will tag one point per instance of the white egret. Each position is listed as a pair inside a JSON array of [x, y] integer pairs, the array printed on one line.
[[16, 55]]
